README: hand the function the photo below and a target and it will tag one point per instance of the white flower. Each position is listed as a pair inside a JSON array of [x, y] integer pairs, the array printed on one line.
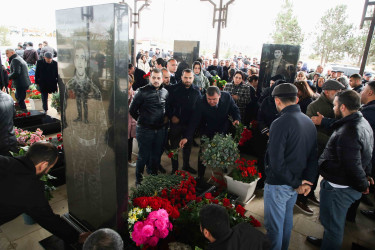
[[148, 209], [131, 220]]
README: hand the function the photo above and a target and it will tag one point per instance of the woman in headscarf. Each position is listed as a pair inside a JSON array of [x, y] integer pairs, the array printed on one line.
[[200, 80]]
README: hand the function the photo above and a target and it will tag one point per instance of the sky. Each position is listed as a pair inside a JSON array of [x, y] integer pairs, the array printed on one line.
[[249, 23]]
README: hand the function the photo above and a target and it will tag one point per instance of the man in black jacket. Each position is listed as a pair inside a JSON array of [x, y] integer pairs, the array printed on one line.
[[46, 77], [22, 191], [345, 166], [20, 75], [8, 141], [183, 101], [368, 111], [149, 109], [139, 79], [212, 114], [290, 164]]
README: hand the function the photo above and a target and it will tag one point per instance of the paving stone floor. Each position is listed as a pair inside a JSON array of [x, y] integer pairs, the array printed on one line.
[[17, 235]]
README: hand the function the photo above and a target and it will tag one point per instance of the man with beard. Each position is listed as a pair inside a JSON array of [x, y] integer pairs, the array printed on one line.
[[345, 166], [183, 101], [290, 164], [22, 191]]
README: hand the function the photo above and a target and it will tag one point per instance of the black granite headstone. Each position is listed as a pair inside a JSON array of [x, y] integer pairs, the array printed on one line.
[[92, 44], [185, 53]]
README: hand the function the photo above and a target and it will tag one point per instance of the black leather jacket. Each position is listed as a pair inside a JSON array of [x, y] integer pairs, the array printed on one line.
[[346, 160], [7, 138], [19, 72], [149, 106]]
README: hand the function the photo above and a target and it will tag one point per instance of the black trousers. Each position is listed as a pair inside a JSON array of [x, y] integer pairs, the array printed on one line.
[[175, 135]]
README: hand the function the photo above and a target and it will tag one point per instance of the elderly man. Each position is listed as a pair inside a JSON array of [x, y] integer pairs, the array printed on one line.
[[216, 67], [345, 166], [149, 109], [20, 76], [290, 164], [212, 114]]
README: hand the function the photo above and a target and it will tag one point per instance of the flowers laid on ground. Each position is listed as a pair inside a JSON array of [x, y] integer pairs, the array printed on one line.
[[56, 101], [173, 153], [219, 152], [27, 138], [155, 227], [57, 141], [216, 81], [22, 114], [245, 171]]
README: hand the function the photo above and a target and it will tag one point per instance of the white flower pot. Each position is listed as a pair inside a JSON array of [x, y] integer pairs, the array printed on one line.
[[244, 190], [36, 104]]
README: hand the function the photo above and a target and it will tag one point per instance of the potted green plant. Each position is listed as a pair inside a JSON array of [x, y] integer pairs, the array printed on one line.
[[219, 153]]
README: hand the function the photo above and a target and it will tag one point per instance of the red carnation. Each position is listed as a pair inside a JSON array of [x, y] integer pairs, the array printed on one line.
[[240, 210], [170, 155], [208, 196], [226, 202]]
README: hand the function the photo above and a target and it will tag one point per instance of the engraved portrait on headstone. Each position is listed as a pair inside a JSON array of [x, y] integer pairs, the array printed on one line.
[[95, 42], [185, 53], [278, 59]]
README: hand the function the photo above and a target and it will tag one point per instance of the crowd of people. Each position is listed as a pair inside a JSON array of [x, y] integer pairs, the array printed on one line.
[[318, 125]]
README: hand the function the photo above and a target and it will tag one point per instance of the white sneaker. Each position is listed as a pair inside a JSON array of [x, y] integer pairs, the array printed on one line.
[[132, 164]]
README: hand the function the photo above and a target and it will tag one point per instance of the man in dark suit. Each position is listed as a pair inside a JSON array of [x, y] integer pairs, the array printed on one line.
[[46, 77], [212, 113]]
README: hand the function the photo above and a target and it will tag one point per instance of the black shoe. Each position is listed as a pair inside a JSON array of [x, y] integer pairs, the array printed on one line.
[[162, 170], [369, 213], [315, 241], [86, 121], [189, 169], [366, 200], [304, 208], [78, 119], [312, 198]]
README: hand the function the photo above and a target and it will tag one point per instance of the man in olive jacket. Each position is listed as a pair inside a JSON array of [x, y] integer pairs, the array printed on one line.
[[20, 75]]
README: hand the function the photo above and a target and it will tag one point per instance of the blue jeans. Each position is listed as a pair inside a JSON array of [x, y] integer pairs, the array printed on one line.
[[334, 204], [279, 201], [150, 144]]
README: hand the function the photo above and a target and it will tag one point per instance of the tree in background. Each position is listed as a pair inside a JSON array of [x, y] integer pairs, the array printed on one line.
[[4, 31], [287, 29], [333, 35]]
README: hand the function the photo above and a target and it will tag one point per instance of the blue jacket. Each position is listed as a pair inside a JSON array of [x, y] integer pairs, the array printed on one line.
[[213, 119], [292, 149]]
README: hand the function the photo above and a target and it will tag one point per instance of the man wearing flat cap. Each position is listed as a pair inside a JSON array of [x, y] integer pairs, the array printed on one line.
[[290, 164]]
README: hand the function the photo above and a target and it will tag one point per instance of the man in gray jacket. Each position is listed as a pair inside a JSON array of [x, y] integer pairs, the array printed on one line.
[[19, 75]]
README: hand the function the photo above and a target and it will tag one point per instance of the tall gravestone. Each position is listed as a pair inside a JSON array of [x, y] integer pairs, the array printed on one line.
[[186, 51], [92, 46]]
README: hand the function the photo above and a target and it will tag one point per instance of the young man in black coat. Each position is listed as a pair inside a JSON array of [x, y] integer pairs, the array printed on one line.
[[212, 114], [183, 100], [46, 76], [22, 191]]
